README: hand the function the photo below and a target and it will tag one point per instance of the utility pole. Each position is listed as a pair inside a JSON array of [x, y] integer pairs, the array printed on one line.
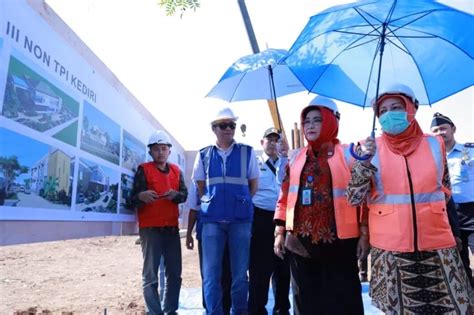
[[248, 26]]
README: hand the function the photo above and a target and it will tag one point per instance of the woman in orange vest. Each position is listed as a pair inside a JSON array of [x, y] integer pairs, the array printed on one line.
[[416, 268], [315, 223]]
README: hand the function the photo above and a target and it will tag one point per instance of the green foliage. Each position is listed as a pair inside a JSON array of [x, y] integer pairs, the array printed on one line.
[[50, 188], [171, 6], [10, 168]]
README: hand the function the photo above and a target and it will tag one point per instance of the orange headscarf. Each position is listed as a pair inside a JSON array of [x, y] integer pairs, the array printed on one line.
[[407, 141]]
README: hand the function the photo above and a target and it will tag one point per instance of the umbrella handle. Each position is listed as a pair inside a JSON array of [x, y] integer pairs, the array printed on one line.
[[356, 156]]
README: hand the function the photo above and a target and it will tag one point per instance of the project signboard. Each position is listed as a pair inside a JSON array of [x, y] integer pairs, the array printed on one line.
[[70, 141]]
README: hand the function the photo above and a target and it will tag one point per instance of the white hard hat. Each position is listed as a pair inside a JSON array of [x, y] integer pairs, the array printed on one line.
[[325, 102], [159, 137], [398, 89], [225, 113]]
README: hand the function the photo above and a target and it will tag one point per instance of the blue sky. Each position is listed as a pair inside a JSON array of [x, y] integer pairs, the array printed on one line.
[[112, 174], [132, 143], [28, 150], [99, 119]]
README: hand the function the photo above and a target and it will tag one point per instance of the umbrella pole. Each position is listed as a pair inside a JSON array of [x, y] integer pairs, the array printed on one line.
[[382, 48], [270, 71], [379, 73]]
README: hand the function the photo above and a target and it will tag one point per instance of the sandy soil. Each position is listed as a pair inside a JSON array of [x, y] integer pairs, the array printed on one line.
[[83, 276]]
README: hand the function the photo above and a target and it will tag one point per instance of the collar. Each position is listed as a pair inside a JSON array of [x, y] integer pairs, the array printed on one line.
[[229, 149], [266, 158], [165, 170], [458, 147]]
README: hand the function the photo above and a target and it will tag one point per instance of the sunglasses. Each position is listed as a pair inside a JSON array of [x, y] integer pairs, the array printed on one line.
[[224, 126]]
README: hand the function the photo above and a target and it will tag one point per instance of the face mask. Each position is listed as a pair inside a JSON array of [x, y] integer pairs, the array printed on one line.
[[394, 122]]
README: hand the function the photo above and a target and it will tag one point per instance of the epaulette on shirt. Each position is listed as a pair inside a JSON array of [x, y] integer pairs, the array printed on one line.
[[469, 145]]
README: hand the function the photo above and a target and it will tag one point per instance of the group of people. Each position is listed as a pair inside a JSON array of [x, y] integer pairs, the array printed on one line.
[[313, 215]]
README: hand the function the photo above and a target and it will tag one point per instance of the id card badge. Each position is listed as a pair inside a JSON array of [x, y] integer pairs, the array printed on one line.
[[306, 196]]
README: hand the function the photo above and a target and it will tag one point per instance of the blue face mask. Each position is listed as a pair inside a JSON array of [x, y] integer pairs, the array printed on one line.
[[394, 122]]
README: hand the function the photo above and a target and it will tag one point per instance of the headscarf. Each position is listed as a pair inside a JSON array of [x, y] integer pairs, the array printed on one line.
[[329, 127], [406, 142]]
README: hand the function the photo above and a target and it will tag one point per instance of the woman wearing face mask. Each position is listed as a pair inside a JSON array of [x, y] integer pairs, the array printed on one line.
[[314, 222], [416, 267]]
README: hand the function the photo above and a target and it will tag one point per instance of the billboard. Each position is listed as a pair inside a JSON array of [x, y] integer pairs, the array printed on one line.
[[71, 135]]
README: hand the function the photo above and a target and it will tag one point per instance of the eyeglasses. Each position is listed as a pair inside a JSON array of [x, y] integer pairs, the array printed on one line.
[[224, 126]]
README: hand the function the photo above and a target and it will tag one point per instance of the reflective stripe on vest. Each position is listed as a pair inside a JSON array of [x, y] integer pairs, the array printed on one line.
[[383, 198], [227, 195], [345, 215], [437, 155], [242, 180], [407, 207]]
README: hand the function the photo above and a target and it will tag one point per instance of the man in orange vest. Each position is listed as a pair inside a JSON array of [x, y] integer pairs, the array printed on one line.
[[157, 190]]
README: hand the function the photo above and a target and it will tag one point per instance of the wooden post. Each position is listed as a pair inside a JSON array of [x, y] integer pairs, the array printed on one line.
[[276, 122]]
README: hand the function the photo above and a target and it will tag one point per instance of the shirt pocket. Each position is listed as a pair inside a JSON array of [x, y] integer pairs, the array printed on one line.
[[438, 207], [242, 206], [205, 205], [266, 178]]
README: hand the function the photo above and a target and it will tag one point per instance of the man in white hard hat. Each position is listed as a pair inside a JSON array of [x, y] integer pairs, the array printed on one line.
[[157, 190], [226, 174]]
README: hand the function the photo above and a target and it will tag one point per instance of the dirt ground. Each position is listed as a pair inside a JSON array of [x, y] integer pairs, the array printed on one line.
[[82, 276]]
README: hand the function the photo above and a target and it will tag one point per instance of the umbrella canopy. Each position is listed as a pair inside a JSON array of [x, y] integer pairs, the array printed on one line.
[[265, 76], [257, 76], [377, 43]]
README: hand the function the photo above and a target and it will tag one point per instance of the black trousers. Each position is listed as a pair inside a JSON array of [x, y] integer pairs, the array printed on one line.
[[327, 283], [226, 280], [264, 264]]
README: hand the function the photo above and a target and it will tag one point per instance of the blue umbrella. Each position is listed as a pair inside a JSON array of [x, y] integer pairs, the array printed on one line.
[[257, 76], [377, 43]]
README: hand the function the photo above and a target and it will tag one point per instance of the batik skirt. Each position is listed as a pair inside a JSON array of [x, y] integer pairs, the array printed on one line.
[[427, 282]]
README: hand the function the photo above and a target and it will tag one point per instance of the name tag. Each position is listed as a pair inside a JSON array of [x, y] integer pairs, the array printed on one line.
[[306, 197]]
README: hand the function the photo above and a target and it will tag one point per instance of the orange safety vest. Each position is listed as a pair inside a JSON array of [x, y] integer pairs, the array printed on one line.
[[347, 223], [162, 212], [407, 207]]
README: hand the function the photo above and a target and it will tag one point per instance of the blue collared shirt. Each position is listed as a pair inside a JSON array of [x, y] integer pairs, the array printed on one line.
[[268, 183], [461, 171]]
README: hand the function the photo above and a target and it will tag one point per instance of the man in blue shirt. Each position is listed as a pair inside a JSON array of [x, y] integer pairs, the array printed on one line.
[[226, 174], [263, 261], [461, 170]]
